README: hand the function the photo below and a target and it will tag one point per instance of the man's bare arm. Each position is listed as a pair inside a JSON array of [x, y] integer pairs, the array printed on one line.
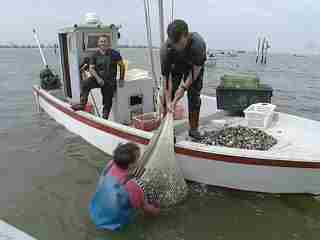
[[185, 85], [192, 76]]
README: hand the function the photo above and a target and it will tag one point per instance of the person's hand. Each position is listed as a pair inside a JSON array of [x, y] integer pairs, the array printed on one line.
[[179, 94], [100, 81], [151, 209], [121, 83], [172, 107], [156, 204], [167, 103]]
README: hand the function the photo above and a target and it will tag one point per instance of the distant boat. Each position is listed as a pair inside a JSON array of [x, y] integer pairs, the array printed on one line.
[[298, 55], [211, 59], [232, 54]]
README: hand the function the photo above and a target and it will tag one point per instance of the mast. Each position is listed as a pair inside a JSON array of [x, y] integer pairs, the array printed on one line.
[[172, 10], [263, 49], [258, 49], [266, 52], [161, 22], [149, 38]]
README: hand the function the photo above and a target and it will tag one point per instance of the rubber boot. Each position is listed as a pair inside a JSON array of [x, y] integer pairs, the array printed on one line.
[[194, 125], [81, 105], [105, 114]]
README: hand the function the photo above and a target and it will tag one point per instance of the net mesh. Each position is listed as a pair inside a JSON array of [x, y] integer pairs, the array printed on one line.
[[159, 169]]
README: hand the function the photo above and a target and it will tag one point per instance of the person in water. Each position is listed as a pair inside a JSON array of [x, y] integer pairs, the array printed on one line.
[[118, 195], [103, 68], [182, 65]]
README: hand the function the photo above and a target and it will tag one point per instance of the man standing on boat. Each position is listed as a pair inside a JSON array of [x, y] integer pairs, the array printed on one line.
[[182, 58], [103, 68]]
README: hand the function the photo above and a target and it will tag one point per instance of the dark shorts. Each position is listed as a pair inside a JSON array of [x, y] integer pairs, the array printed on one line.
[[194, 91]]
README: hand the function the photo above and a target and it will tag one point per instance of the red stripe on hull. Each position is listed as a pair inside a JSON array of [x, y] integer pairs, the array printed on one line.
[[245, 160], [94, 124], [198, 155]]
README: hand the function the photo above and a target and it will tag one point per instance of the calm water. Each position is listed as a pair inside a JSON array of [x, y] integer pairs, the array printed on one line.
[[48, 174]]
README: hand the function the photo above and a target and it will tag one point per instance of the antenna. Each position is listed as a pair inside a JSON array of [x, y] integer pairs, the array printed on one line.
[[44, 61]]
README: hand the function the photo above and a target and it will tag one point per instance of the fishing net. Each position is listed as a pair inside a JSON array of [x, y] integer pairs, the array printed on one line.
[[158, 167]]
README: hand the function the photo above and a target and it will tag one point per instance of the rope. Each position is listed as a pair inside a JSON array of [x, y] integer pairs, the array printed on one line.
[[149, 38], [161, 22], [172, 10], [94, 104]]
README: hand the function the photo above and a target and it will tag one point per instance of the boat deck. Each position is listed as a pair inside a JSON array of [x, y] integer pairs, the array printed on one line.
[[296, 137]]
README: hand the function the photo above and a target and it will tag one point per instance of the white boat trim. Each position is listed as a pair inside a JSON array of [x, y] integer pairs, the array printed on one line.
[[292, 167]]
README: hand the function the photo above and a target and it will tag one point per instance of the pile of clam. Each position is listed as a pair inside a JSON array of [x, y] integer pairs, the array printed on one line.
[[239, 137], [167, 184]]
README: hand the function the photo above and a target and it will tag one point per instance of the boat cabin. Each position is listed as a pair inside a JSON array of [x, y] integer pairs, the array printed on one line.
[[77, 44]]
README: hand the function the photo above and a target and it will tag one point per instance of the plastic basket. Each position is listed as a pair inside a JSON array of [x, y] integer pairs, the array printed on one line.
[[146, 121], [88, 108], [240, 81], [259, 115]]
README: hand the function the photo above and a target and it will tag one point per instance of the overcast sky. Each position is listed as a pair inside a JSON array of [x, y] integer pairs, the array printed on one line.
[[289, 24]]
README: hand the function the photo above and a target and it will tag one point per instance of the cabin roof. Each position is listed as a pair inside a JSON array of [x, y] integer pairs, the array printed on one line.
[[88, 28]]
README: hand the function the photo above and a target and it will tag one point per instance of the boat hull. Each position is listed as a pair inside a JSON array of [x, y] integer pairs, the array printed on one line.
[[224, 170], [9, 232], [250, 177]]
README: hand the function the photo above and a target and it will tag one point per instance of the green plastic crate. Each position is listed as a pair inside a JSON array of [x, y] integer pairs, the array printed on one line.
[[240, 81], [236, 100]]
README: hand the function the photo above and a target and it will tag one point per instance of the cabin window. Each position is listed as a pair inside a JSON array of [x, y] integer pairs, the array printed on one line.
[[136, 100], [92, 40]]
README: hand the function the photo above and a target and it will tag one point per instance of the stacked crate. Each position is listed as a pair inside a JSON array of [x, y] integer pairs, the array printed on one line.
[[236, 92]]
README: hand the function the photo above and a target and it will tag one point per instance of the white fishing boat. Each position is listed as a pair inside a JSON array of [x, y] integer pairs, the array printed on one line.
[[290, 166]]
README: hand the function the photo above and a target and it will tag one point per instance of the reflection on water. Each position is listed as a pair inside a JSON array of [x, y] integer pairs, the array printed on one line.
[[47, 174]]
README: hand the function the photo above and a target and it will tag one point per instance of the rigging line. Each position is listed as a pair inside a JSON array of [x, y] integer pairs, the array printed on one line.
[[172, 10], [94, 104], [157, 83], [161, 22], [149, 38]]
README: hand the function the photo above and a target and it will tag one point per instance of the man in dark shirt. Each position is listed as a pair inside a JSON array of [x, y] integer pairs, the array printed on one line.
[[103, 67], [182, 64]]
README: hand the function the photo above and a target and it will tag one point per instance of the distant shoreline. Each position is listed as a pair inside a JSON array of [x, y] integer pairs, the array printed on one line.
[[296, 53], [55, 46], [24, 46]]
